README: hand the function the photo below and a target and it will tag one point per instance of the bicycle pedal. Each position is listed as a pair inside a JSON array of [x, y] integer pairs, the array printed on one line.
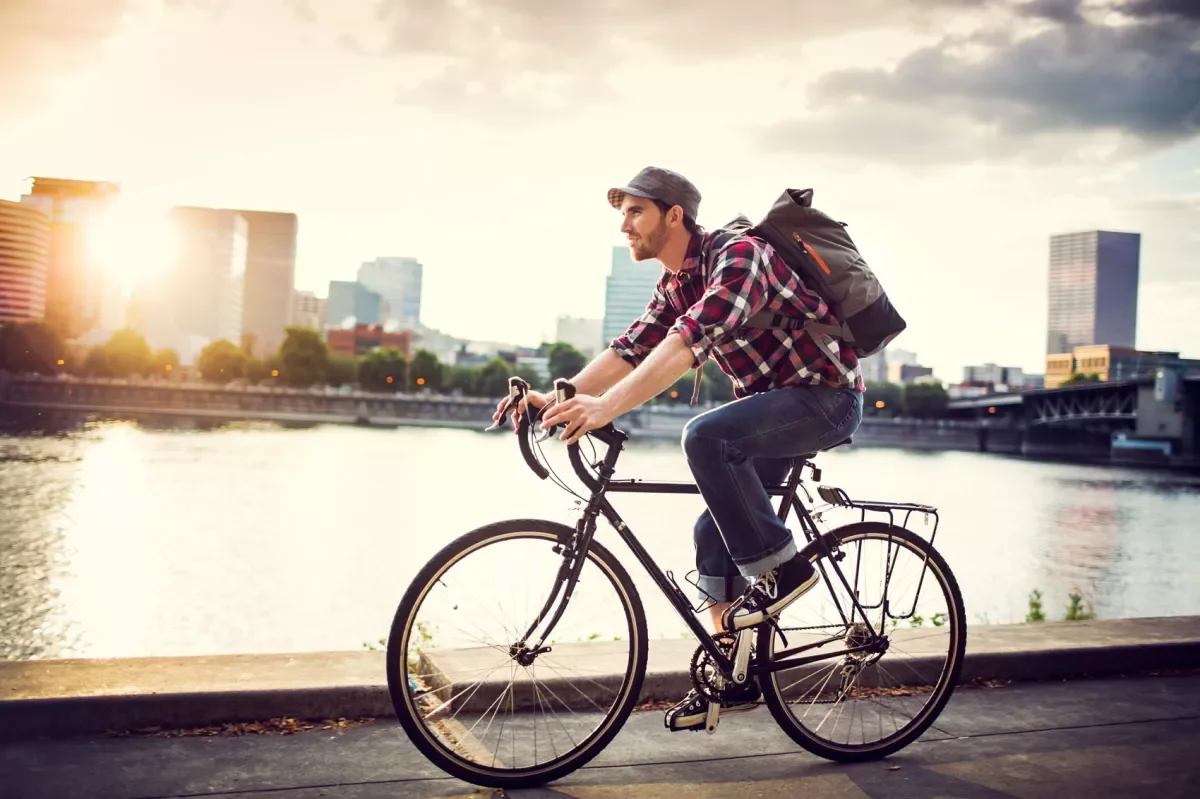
[[712, 718]]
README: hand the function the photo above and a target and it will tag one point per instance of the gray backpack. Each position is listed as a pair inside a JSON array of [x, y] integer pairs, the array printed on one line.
[[820, 251]]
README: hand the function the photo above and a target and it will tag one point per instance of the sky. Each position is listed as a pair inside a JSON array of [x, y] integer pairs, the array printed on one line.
[[953, 136]]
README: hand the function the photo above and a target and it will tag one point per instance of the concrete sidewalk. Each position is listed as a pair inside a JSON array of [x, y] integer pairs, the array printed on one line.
[[66, 697], [1132, 737]]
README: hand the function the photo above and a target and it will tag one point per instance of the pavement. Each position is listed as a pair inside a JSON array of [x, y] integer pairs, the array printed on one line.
[[69, 697], [1116, 737]]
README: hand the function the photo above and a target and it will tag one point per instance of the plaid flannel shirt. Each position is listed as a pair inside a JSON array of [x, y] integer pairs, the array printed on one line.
[[725, 280]]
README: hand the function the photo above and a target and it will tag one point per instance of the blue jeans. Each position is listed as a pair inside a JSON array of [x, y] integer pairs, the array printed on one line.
[[733, 451]]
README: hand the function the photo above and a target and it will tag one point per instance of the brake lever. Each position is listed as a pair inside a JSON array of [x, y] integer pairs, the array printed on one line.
[[496, 425]]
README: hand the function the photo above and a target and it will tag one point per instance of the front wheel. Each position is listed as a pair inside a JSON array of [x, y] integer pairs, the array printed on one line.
[[867, 698], [477, 704]]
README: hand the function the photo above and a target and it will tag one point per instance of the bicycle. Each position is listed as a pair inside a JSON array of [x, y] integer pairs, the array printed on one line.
[[438, 690]]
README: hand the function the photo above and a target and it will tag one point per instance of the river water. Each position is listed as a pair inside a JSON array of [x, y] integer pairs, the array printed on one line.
[[120, 539]]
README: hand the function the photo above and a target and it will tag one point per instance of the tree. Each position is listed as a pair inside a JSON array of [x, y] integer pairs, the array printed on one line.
[[304, 358], [128, 353], [925, 400], [716, 385], [890, 394], [342, 371], [383, 369], [425, 371], [31, 346], [1081, 377], [95, 363], [493, 378], [565, 360], [463, 379], [163, 361], [221, 361]]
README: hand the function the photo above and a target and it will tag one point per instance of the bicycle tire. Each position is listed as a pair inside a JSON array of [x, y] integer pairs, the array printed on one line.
[[402, 628], [947, 680]]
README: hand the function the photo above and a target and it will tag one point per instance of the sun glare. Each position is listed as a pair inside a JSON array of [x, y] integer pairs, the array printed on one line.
[[132, 243]]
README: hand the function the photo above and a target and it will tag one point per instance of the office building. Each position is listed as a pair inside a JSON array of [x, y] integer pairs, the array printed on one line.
[[1106, 362], [270, 279], [398, 280], [628, 290], [361, 339], [81, 294], [350, 303], [199, 299], [1093, 290], [1009, 378], [308, 310], [584, 335], [24, 261]]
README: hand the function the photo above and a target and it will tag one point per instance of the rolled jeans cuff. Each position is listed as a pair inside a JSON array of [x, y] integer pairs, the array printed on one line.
[[719, 588], [764, 564]]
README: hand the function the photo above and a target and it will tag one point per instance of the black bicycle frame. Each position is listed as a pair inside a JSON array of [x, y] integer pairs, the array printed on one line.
[[575, 551]]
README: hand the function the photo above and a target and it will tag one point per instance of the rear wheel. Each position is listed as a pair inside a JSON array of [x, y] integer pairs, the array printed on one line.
[[868, 704], [477, 705]]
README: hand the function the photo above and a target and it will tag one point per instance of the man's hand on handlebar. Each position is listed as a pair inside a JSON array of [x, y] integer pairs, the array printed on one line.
[[581, 414], [536, 398]]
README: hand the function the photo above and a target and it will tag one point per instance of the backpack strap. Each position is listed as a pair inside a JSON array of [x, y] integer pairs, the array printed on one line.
[[773, 321]]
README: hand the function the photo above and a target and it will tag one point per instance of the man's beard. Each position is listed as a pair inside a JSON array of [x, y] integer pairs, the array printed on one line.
[[650, 245]]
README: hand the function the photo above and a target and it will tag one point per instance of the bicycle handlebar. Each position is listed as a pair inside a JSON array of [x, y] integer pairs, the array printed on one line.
[[564, 390]]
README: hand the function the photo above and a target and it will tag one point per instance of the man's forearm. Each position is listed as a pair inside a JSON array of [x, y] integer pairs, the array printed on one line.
[[605, 370], [668, 362]]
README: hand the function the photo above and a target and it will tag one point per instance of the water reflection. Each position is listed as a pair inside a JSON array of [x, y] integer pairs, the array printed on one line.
[[128, 539]]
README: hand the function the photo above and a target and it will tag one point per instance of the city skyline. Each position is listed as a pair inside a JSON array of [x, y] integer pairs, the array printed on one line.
[[985, 136]]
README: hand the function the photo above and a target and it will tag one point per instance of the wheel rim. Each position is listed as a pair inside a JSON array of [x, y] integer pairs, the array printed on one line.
[[871, 700], [478, 705]]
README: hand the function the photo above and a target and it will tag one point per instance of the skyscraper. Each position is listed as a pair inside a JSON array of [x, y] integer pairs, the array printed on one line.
[[352, 299], [1093, 290], [270, 278], [77, 286], [399, 281], [199, 299], [24, 259], [629, 288]]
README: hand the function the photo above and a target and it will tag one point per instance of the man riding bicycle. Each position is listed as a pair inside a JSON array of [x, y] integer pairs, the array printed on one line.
[[796, 391]]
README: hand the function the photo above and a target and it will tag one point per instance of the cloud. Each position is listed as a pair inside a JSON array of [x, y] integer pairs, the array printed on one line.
[[1138, 81], [40, 39], [526, 55]]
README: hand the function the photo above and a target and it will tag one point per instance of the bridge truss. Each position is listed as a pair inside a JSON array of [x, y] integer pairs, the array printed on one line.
[[1095, 403]]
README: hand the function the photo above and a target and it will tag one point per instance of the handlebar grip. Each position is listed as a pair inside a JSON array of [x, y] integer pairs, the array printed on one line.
[[526, 450]]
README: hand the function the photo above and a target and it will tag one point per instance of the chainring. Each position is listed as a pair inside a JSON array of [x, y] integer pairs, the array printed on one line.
[[706, 676]]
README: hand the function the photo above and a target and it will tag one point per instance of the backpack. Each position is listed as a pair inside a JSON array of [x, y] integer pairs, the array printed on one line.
[[821, 252]]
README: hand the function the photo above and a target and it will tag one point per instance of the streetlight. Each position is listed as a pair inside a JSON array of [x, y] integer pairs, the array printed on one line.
[[879, 403]]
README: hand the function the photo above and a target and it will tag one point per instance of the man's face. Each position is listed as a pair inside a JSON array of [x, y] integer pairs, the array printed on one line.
[[645, 227]]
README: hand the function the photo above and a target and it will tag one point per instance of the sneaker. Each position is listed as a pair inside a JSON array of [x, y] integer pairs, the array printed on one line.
[[771, 593], [690, 712]]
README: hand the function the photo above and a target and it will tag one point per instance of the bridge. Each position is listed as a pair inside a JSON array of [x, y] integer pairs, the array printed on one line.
[[1150, 418]]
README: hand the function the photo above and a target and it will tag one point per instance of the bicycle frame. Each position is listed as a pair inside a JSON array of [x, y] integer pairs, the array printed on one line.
[[575, 551]]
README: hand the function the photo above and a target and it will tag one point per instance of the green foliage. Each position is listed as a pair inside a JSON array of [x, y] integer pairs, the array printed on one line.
[[128, 353], [1076, 610], [258, 369], [304, 358], [163, 362], [461, 378], [377, 366], [492, 380], [95, 363], [890, 394], [1036, 612], [221, 361], [925, 400], [565, 360], [425, 371], [30, 347], [342, 370], [1081, 377]]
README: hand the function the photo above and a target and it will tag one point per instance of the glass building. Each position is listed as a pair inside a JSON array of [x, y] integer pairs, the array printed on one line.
[[1093, 290], [629, 288]]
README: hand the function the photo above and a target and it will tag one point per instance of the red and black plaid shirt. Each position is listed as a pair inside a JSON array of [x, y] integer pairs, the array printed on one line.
[[725, 280]]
